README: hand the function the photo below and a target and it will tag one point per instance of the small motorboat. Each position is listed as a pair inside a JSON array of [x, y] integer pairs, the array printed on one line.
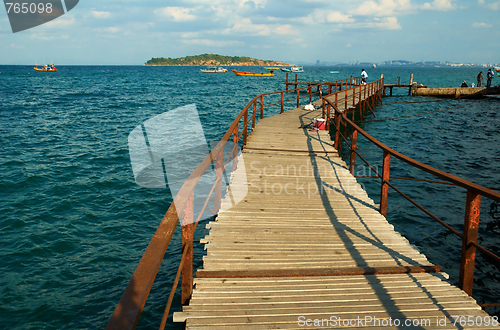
[[293, 69], [253, 74], [334, 71], [46, 68], [214, 69]]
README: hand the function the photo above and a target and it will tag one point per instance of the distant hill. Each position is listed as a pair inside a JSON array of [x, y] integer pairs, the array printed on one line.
[[213, 59]]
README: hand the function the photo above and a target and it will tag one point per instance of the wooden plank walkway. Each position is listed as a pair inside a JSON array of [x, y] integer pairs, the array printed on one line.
[[286, 255]]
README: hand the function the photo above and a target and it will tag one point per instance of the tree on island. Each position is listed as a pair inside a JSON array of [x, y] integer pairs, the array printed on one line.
[[211, 59]]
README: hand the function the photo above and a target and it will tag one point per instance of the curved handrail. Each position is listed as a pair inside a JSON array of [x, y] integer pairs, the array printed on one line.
[[129, 308], [472, 204], [429, 169]]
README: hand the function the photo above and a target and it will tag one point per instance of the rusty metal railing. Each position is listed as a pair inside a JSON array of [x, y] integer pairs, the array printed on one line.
[[472, 202]]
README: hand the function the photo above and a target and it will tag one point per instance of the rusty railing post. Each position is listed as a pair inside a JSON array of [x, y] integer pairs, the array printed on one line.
[[219, 164], [328, 111], [187, 243], [346, 96], [298, 97], [282, 102], [310, 93], [471, 226], [354, 147], [262, 107], [384, 188], [354, 96], [337, 131], [245, 128], [254, 114], [235, 147]]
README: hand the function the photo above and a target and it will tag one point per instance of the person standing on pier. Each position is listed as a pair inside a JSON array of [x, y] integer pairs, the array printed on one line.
[[480, 79], [364, 75], [489, 76]]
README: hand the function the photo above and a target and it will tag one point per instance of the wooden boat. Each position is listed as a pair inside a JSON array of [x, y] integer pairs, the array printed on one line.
[[293, 69], [271, 67], [497, 69], [253, 74], [46, 68], [214, 69]]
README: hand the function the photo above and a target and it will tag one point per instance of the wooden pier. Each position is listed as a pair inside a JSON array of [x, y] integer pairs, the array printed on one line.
[[306, 247]]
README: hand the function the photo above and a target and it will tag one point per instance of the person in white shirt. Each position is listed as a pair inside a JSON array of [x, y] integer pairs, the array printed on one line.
[[364, 75]]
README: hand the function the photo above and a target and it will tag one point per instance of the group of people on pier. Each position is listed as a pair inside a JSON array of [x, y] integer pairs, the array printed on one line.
[[489, 76], [480, 80]]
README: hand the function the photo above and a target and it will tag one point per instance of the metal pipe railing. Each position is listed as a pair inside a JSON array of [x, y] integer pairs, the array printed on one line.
[[472, 203], [129, 308]]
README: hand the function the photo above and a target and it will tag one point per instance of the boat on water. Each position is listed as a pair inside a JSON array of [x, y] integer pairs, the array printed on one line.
[[46, 68], [293, 69], [271, 68], [497, 69], [334, 71], [214, 69], [253, 74]]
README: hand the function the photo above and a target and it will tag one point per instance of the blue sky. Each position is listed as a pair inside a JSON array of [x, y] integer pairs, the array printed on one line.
[[295, 31]]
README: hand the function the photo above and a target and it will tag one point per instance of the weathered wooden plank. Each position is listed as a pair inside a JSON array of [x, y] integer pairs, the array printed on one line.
[[218, 320]]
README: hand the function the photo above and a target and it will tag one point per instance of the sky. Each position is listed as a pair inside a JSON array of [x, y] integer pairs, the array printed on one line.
[[130, 32]]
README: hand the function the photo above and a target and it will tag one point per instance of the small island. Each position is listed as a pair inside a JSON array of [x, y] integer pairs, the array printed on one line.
[[212, 59]]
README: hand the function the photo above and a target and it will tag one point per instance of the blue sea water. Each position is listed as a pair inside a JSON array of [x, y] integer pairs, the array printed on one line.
[[74, 224]]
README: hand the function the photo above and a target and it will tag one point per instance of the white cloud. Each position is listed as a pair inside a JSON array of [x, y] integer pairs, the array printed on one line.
[[382, 8], [481, 25], [439, 5], [325, 16], [45, 37], [61, 22], [338, 17], [245, 26], [284, 29], [388, 23], [178, 14], [111, 29], [492, 6], [100, 14], [208, 42]]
